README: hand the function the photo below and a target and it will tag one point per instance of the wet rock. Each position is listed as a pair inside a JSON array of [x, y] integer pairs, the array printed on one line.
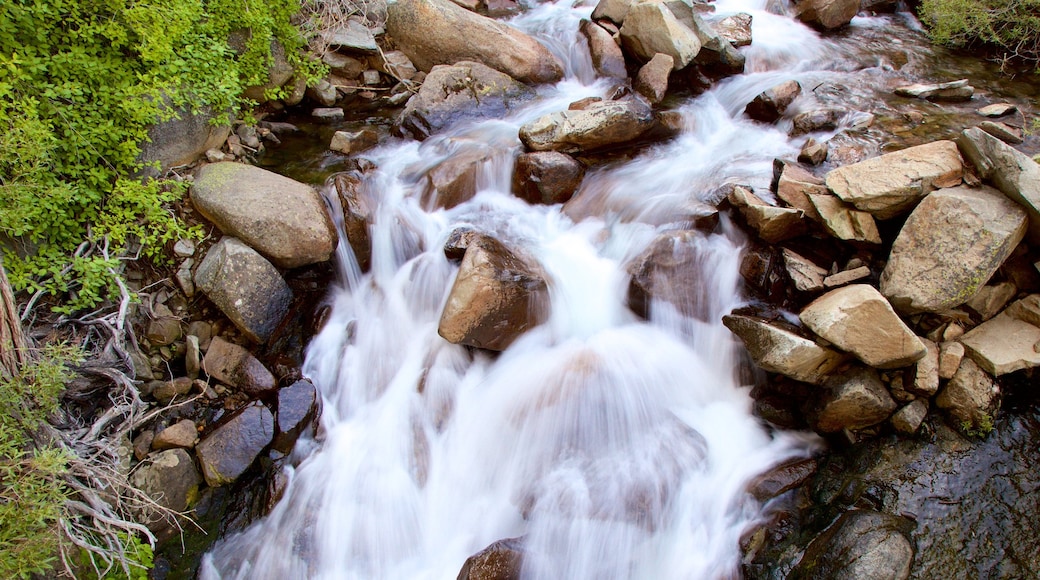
[[281, 218], [949, 247], [894, 183], [342, 65], [297, 414], [1003, 345], [846, 277], [1012, 172], [951, 91], [805, 275], [496, 297], [246, 288], [908, 419], [433, 32], [782, 351], [458, 240], [548, 177], [348, 143], [826, 14], [601, 124], [862, 544], [651, 28], [716, 52], [230, 449], [1003, 131], [236, 367], [858, 320], [652, 79], [668, 272], [853, 400], [813, 152], [997, 110], [816, 120], [843, 222], [971, 397], [351, 36], [772, 224], [607, 58], [950, 355], [454, 181], [168, 478], [356, 216], [926, 372], [180, 435], [794, 185], [499, 561], [770, 105], [464, 91], [328, 113], [991, 299], [169, 390], [782, 478]]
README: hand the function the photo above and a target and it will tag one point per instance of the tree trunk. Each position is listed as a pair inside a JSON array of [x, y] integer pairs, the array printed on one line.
[[13, 351]]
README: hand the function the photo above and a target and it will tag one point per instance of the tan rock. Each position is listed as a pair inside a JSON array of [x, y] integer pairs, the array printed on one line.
[[1026, 309], [652, 79], [736, 29], [805, 275], [794, 185], [846, 277], [908, 419], [606, 54], [926, 372], [950, 354], [1010, 171], [827, 14], [651, 28], [770, 105], [853, 400], [179, 435], [233, 365], [772, 224], [990, 300], [971, 396], [843, 221], [781, 351], [1003, 345], [599, 125]]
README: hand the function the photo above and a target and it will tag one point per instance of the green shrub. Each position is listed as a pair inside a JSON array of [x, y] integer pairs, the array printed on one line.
[[1011, 27]]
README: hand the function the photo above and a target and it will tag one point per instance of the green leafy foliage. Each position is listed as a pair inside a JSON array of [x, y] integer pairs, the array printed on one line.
[[81, 82], [1011, 27], [139, 556]]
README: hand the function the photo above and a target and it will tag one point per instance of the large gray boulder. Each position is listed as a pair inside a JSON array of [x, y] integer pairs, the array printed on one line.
[[949, 247], [246, 288], [651, 28], [600, 125], [231, 448], [181, 140], [858, 320], [433, 32], [855, 399], [827, 14], [496, 297], [466, 91], [861, 545], [281, 218], [1012, 172], [893, 183], [781, 351]]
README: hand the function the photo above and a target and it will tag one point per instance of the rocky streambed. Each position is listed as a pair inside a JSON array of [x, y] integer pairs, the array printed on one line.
[[620, 290]]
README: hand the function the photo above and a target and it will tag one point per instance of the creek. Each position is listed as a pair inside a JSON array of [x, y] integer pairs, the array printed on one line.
[[616, 447]]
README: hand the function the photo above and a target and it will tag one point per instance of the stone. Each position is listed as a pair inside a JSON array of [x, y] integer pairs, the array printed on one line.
[[181, 434], [234, 366], [805, 275], [859, 320], [651, 28], [297, 414], [454, 180], [716, 52], [279, 70], [843, 222], [855, 399], [342, 65], [782, 478], [170, 479], [371, 78], [926, 372], [736, 29], [186, 278], [1012, 172], [815, 120], [496, 297], [607, 58], [142, 444], [548, 177], [826, 14], [951, 91], [908, 419], [245, 287], [794, 185], [471, 5], [772, 224], [894, 183], [433, 32], [1026, 309], [991, 299], [1003, 345], [464, 91], [396, 64], [770, 105], [949, 248], [997, 110], [351, 36], [501, 560], [281, 218], [203, 330], [971, 397], [348, 142], [652, 79], [328, 113], [164, 328], [192, 357], [601, 124], [1003, 131], [782, 351], [184, 248], [813, 152], [950, 354], [846, 277], [668, 272], [861, 544], [167, 391], [613, 10], [180, 140], [323, 93], [356, 216], [228, 451]]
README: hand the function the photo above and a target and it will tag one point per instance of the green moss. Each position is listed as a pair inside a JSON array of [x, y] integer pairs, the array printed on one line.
[[978, 429]]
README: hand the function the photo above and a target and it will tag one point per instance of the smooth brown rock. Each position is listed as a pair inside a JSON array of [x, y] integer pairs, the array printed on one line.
[[781, 351], [794, 185], [861, 545], [782, 478], [547, 177], [601, 124], [805, 275], [971, 396], [1003, 345], [179, 435], [433, 32], [843, 221], [607, 58], [342, 65], [908, 419], [813, 152], [164, 328], [997, 110], [770, 105], [736, 29], [227, 452], [651, 28], [716, 53], [826, 14], [499, 561], [950, 354], [772, 224], [236, 367], [1003, 131], [357, 215], [668, 272], [454, 181], [1012, 172], [853, 400], [652, 79], [1026, 309]]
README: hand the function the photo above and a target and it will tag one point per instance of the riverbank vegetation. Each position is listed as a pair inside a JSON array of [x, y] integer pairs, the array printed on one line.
[[1010, 29]]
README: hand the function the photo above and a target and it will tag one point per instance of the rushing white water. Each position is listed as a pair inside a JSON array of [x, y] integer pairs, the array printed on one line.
[[616, 447]]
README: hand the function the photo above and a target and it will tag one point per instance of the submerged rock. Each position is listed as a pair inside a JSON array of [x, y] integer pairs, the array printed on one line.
[[669, 271], [861, 545], [499, 561], [547, 177], [454, 180], [227, 452]]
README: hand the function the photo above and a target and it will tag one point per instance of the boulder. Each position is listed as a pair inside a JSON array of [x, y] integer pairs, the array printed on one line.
[[894, 183], [853, 400], [297, 413], [607, 58], [813, 152], [782, 478], [770, 105], [951, 91], [950, 354], [669, 271], [843, 221], [1012, 172], [857, 319], [180, 140], [171, 480], [970, 397], [230, 449], [805, 275], [601, 124], [949, 247], [496, 297], [351, 36], [815, 120], [781, 351], [772, 224], [652, 79], [793, 184], [246, 288], [926, 372], [499, 561], [356, 216], [651, 28], [861, 544], [736, 29], [454, 180], [181, 434], [826, 14], [1003, 344], [1003, 131], [350, 142], [908, 419], [281, 218], [465, 91], [433, 32], [234, 366], [547, 177]]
